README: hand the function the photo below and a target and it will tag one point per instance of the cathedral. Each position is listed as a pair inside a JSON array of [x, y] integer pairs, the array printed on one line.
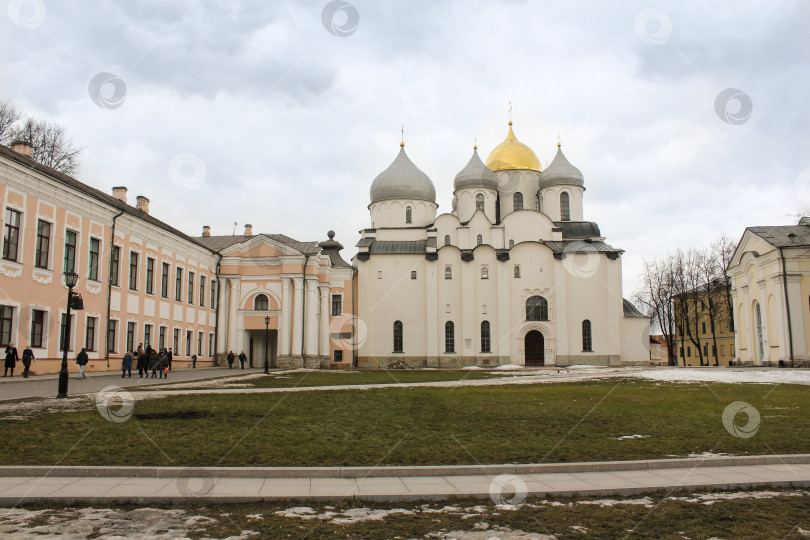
[[513, 275]]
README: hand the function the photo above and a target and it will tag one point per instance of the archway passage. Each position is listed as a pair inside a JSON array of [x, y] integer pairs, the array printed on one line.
[[535, 348]]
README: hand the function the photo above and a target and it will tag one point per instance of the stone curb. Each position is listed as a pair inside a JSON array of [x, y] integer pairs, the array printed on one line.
[[406, 471]]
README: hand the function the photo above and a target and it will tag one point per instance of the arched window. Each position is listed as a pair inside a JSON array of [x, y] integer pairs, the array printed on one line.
[[260, 303], [408, 214], [397, 336], [511, 244], [479, 202], [587, 341], [484, 273], [536, 309], [446, 239], [758, 317], [449, 337], [565, 210], [485, 336], [517, 271], [479, 240], [448, 273], [517, 201], [537, 201]]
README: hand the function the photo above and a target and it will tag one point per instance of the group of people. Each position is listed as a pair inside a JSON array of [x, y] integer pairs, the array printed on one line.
[[146, 361], [232, 358], [12, 358]]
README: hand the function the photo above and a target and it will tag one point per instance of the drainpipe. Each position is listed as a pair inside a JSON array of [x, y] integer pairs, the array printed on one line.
[[787, 305], [216, 310], [109, 290], [304, 310]]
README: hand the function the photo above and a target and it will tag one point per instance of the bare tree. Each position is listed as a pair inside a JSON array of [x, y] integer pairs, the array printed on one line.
[[656, 296], [50, 144], [8, 116], [722, 251]]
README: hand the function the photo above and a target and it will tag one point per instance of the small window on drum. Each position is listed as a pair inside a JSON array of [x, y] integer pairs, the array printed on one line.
[[517, 201], [479, 240], [446, 239], [479, 202], [408, 214]]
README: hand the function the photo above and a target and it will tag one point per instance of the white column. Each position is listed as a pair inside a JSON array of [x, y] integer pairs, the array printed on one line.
[[323, 326], [298, 310], [233, 306], [311, 326], [796, 317], [286, 313], [222, 310]]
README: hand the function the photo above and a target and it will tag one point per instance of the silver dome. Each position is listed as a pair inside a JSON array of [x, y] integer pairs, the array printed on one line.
[[560, 172], [402, 180], [475, 175]]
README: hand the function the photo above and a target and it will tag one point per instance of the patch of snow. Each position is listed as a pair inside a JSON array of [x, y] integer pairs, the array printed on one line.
[[501, 533], [579, 529], [710, 454], [623, 437], [509, 367], [735, 376], [472, 367], [712, 498]]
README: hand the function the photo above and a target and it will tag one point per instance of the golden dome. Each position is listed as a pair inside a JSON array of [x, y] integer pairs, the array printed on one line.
[[512, 154]]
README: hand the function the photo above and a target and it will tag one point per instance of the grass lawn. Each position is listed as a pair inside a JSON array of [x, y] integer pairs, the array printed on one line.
[[328, 378], [559, 422]]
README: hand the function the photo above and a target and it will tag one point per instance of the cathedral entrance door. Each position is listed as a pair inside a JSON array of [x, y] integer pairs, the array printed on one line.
[[535, 348]]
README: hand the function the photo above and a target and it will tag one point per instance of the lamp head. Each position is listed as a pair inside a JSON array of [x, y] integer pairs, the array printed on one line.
[[70, 279], [267, 321]]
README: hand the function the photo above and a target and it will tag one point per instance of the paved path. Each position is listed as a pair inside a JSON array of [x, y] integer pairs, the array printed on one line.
[[15, 490]]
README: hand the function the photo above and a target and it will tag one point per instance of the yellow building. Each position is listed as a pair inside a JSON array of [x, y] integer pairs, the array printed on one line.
[[709, 324]]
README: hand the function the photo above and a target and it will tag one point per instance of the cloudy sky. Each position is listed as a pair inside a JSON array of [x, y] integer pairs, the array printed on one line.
[[688, 120]]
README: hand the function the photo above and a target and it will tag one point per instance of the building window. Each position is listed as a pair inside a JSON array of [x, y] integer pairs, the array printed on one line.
[[260, 303], [133, 271], [188, 342], [131, 337], [689, 352], [479, 240], [178, 285], [191, 287], [511, 244], [176, 341], [70, 251], [95, 248], [43, 244], [448, 272], [150, 275], [536, 309], [714, 351], [161, 337], [199, 343], [164, 281], [90, 334], [202, 291], [517, 201], [413, 274], [337, 305], [484, 273], [446, 239], [705, 350], [565, 210], [449, 337], [479, 202], [115, 257], [485, 341], [681, 352], [147, 335], [398, 343], [338, 356], [408, 214], [210, 344], [213, 294], [37, 328], [587, 340], [63, 331], [704, 327], [517, 271], [11, 236], [6, 313], [537, 201], [758, 321], [112, 326]]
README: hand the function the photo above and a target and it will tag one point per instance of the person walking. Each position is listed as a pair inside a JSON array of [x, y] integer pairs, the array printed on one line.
[[154, 365], [141, 362], [169, 357], [11, 359], [82, 360], [27, 358], [163, 365], [193, 361], [242, 358], [230, 359], [126, 365]]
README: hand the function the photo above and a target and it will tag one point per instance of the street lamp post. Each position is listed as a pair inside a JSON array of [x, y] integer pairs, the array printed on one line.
[[70, 280], [266, 331]]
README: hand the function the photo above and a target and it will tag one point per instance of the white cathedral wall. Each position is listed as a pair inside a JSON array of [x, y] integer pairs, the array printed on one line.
[[391, 213], [512, 181], [551, 202], [466, 202]]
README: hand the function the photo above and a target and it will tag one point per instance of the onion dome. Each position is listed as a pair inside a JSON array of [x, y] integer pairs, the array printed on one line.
[[475, 175], [512, 154], [402, 180], [561, 172]]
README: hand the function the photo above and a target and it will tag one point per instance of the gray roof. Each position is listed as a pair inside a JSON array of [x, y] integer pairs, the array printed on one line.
[[402, 180], [578, 229], [578, 246], [399, 246], [782, 236], [475, 175], [632, 311], [560, 172], [218, 243]]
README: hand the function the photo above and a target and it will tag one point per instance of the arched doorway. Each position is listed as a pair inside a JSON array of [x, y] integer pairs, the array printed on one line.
[[534, 346]]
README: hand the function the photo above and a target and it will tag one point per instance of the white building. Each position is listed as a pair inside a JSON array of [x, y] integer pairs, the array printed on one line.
[[514, 274]]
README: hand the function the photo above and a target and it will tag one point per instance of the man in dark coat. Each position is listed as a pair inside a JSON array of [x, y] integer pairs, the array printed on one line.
[[169, 357], [82, 360], [231, 358], [242, 358], [27, 358], [11, 359], [126, 365]]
